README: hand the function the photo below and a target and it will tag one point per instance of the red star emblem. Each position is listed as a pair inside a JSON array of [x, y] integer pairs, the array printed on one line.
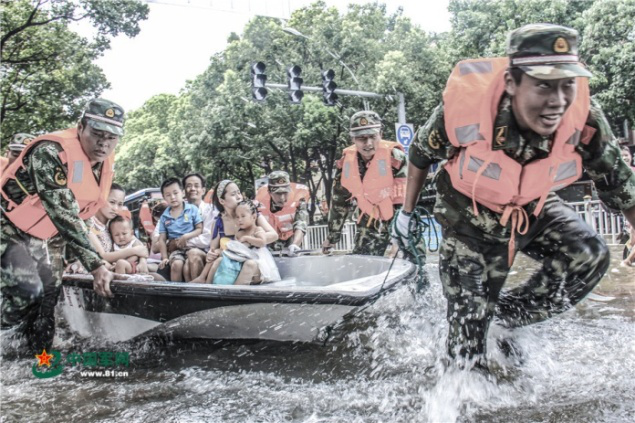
[[44, 359]]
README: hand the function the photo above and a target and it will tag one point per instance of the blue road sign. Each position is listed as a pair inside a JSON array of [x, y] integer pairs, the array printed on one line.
[[405, 134]]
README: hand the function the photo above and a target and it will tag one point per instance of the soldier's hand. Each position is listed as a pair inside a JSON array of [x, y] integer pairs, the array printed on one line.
[[101, 281], [401, 228], [293, 249], [327, 247]]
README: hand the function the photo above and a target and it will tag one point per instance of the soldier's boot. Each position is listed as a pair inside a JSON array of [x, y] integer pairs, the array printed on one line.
[[42, 329], [563, 281]]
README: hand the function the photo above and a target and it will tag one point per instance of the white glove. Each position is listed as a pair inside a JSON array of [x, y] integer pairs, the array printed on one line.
[[402, 224], [293, 250]]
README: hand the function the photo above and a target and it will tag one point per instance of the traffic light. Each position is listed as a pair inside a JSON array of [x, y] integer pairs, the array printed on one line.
[[328, 87], [295, 84], [258, 81]]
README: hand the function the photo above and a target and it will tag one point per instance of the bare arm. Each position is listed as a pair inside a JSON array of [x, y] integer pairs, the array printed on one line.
[[257, 239], [270, 234], [416, 179]]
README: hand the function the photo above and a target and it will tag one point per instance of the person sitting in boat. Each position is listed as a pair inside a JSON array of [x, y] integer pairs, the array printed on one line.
[[259, 266], [227, 195], [120, 230], [179, 222], [194, 185], [99, 236], [284, 205]]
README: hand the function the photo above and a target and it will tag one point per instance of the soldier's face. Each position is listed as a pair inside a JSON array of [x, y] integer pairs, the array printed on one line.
[[114, 204], [366, 145], [279, 198], [97, 145], [194, 189], [539, 104], [121, 233]]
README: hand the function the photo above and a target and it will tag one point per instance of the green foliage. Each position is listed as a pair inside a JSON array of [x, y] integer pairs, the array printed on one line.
[[47, 70]]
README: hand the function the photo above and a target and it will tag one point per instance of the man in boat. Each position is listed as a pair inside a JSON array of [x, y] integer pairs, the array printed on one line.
[[17, 144], [512, 131], [370, 179], [59, 180], [284, 205]]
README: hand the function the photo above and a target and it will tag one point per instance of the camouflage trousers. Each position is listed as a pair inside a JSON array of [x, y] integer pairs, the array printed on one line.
[[30, 280], [473, 271], [371, 240]]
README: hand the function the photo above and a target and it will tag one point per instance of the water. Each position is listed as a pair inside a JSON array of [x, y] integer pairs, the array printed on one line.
[[384, 366]]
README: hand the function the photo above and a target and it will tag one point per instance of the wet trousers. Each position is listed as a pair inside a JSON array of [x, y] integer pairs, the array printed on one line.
[[473, 271], [31, 279]]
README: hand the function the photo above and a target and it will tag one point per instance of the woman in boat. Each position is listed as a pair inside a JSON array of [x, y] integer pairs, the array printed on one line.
[[227, 195]]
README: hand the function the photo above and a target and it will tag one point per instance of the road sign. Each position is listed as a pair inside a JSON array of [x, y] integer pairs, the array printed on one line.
[[405, 134]]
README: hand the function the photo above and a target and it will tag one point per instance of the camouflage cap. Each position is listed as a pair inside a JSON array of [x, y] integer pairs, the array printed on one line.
[[104, 115], [365, 122], [545, 51], [279, 181], [19, 141]]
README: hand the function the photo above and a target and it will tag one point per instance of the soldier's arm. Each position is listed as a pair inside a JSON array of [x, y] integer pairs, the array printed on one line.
[[431, 145], [340, 207], [49, 178], [601, 157], [300, 223]]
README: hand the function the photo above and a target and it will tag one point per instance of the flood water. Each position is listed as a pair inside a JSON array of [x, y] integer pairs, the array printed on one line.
[[383, 366]]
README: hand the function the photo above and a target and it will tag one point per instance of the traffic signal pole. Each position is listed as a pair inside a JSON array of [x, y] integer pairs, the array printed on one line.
[[401, 108]]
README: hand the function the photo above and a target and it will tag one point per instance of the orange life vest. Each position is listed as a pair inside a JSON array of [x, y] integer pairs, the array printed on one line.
[[30, 216], [282, 220], [490, 177], [379, 190], [4, 162], [145, 218]]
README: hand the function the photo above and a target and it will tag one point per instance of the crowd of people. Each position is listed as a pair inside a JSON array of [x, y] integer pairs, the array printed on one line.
[[508, 133]]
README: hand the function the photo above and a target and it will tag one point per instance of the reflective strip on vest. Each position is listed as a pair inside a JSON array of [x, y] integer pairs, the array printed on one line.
[[381, 164], [475, 67], [347, 170], [78, 172], [575, 138], [566, 170], [468, 133], [493, 170]]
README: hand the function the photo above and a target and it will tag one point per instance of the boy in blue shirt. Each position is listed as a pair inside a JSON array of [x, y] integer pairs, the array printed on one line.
[[178, 223]]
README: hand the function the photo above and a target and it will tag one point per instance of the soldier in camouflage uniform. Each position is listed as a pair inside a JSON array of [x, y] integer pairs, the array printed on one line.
[[475, 256], [32, 267], [279, 189], [373, 234]]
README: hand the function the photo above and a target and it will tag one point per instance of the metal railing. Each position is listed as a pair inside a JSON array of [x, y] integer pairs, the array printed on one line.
[[603, 221]]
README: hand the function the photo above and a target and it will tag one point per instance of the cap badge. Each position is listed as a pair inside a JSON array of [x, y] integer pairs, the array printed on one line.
[[281, 181], [560, 45], [363, 122], [110, 113]]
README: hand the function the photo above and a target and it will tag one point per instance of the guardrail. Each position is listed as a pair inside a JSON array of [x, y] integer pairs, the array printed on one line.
[[603, 221]]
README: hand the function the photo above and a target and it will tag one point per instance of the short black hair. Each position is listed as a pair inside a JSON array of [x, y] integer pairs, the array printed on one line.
[[198, 175], [116, 219], [171, 181], [516, 73], [116, 187]]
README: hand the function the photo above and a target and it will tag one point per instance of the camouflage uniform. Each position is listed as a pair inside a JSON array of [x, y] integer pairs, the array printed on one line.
[[32, 268], [371, 238], [279, 182], [474, 252]]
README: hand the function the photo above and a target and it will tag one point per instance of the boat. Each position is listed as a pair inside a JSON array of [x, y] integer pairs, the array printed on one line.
[[315, 293]]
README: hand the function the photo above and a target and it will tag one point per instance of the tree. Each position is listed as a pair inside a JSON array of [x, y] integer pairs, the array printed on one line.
[[47, 69]]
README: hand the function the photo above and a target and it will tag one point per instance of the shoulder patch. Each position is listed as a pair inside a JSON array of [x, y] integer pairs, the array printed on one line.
[[60, 177], [434, 139]]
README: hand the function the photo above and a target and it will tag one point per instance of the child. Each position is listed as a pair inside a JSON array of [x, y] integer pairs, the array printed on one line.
[[178, 223], [252, 271], [121, 233], [226, 198]]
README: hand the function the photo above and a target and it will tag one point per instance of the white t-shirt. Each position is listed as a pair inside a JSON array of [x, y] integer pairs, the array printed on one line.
[[208, 213]]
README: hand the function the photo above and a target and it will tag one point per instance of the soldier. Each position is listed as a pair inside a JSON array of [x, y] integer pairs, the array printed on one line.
[[513, 130], [284, 205], [18, 142], [59, 179], [361, 178]]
